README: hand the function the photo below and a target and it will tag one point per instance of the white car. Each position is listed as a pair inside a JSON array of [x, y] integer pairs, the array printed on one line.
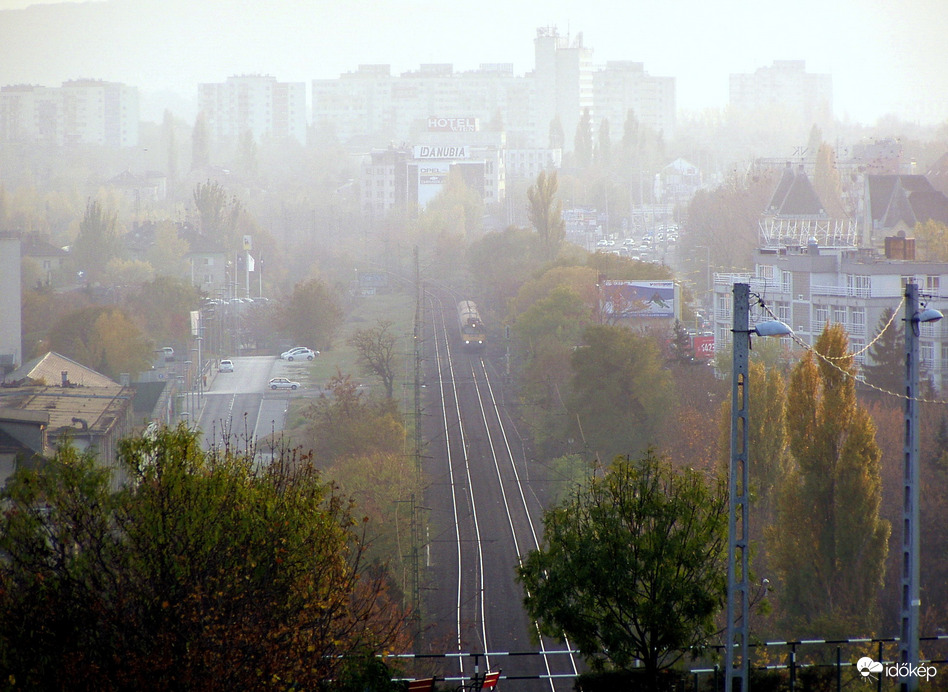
[[226, 366], [299, 353], [283, 383]]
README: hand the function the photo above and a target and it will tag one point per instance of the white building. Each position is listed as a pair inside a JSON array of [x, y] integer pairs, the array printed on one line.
[[11, 347], [623, 86], [83, 111], [373, 107], [786, 90], [258, 104], [809, 287], [412, 177]]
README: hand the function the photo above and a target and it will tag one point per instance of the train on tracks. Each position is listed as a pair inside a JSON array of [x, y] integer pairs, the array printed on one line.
[[471, 329]]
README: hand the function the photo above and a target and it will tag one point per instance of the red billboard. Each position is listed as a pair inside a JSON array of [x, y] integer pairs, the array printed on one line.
[[702, 345]]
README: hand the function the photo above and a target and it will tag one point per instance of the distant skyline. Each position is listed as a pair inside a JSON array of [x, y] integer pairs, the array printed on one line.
[[884, 57]]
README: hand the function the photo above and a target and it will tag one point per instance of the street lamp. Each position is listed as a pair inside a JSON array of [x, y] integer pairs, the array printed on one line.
[[738, 552], [910, 601]]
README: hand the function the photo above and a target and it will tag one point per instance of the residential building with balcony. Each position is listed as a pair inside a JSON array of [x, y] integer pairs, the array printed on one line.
[[810, 287], [82, 111], [258, 104]]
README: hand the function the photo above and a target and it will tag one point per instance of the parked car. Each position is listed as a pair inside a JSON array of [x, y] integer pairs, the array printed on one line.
[[283, 383], [299, 353], [226, 366]]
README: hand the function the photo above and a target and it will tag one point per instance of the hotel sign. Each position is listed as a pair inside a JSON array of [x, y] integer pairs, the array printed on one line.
[[440, 152], [452, 124]]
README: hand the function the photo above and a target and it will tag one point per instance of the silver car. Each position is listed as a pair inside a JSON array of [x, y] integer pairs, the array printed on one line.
[[283, 383]]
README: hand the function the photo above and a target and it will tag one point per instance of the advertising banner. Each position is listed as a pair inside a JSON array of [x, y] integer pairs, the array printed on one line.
[[703, 346], [633, 299], [432, 177], [440, 152]]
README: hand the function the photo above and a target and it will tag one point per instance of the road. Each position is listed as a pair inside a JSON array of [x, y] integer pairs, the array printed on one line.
[[238, 408], [484, 519]]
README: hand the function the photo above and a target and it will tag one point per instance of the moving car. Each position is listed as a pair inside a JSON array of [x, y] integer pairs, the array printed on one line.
[[226, 366], [299, 353], [168, 353], [283, 383]]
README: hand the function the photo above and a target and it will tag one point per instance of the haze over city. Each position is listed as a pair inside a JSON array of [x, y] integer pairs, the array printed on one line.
[[884, 58]]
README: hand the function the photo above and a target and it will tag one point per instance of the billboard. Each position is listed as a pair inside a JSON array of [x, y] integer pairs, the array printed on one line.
[[634, 299], [436, 124], [702, 345], [440, 152], [431, 179]]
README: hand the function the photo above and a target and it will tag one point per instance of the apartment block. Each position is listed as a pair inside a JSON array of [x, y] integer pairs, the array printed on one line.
[[83, 111], [257, 104], [784, 89], [810, 287]]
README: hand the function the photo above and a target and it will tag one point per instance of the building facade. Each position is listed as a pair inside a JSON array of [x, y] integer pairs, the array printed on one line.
[[257, 104], [785, 89], [372, 106], [808, 288], [622, 87], [83, 111]]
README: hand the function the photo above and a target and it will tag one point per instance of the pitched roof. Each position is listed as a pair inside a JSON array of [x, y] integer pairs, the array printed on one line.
[[795, 196], [909, 199], [50, 369]]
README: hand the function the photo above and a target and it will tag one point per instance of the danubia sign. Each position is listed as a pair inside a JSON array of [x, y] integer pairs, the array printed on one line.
[[440, 152]]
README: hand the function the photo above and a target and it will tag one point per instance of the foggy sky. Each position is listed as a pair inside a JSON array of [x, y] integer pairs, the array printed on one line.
[[884, 56]]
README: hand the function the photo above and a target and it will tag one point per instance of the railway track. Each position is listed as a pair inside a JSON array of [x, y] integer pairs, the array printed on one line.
[[485, 518]]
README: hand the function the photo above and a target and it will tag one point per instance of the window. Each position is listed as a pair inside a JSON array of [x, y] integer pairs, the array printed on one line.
[[785, 282], [931, 284], [839, 314], [858, 321], [858, 285], [856, 347], [783, 312], [822, 317], [723, 307], [926, 352]]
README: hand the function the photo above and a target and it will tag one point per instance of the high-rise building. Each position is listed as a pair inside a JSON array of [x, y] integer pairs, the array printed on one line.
[[563, 75], [622, 87], [82, 111], [785, 89], [372, 107], [257, 104]]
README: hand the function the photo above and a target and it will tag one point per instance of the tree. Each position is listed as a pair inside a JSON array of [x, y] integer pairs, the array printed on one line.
[[681, 349], [633, 565], [101, 338], [347, 425], [827, 184], [167, 254], [200, 144], [604, 146], [557, 136], [830, 544], [376, 353], [620, 395], [546, 213], [219, 216], [886, 369], [933, 238], [201, 573], [98, 241], [582, 142], [312, 315]]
